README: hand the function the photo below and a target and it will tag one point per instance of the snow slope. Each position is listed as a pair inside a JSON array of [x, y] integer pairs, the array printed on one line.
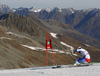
[[93, 70]]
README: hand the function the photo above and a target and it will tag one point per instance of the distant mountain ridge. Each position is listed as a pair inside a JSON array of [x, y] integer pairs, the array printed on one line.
[[90, 24], [33, 9], [84, 21], [5, 9], [23, 12]]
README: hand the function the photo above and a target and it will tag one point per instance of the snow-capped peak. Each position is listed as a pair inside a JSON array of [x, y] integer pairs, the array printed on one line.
[[35, 9], [5, 8], [48, 9], [60, 10]]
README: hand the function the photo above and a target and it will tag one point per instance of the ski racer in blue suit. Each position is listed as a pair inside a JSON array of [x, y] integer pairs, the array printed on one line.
[[85, 54]]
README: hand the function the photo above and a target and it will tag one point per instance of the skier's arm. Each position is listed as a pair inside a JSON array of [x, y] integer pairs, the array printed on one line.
[[74, 52]]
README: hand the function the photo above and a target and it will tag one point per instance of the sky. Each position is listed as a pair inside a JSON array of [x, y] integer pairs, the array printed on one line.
[[77, 4]]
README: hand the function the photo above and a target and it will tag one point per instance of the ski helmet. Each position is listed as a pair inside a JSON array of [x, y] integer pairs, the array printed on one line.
[[79, 47]]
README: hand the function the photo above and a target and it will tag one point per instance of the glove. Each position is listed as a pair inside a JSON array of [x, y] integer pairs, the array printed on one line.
[[72, 54]]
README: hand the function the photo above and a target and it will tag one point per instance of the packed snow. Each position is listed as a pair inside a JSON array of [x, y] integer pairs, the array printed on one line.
[[93, 70], [9, 33], [5, 38], [30, 47], [67, 45], [87, 45], [53, 35]]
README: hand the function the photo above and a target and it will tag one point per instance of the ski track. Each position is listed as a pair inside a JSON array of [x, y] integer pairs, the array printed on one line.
[[93, 70]]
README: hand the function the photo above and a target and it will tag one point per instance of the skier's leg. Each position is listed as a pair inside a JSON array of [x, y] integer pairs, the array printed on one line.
[[87, 60], [81, 60]]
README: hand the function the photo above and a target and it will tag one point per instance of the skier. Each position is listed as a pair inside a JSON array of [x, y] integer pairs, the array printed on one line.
[[85, 54]]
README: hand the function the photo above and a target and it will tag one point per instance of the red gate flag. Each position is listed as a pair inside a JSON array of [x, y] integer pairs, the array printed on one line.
[[49, 46], [48, 42]]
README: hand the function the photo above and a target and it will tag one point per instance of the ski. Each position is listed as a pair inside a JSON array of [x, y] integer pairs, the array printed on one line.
[[58, 66], [82, 65], [69, 66]]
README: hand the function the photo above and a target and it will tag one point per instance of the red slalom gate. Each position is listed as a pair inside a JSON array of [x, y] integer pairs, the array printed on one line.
[[49, 46]]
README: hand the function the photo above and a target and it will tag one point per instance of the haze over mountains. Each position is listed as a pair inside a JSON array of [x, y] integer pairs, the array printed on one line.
[[28, 27]]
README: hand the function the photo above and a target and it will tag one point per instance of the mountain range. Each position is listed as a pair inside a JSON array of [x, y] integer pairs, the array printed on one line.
[[76, 18], [79, 20], [23, 35], [71, 19]]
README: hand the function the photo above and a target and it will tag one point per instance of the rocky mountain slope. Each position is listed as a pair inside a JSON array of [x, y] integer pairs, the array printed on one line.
[[67, 30], [90, 24], [16, 31]]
